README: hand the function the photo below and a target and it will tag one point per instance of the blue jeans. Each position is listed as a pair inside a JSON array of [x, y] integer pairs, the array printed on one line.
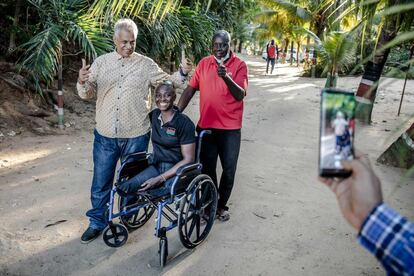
[[271, 61], [106, 153], [132, 185]]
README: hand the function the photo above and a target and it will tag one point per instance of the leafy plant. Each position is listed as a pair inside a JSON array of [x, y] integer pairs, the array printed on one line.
[[336, 51], [62, 23]]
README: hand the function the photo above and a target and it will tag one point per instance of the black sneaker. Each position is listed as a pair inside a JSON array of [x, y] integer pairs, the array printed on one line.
[[89, 235]]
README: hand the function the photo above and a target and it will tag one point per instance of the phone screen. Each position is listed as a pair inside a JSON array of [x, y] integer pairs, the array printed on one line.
[[337, 128]]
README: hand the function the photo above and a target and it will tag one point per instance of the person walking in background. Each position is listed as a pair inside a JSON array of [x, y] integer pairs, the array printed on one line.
[[122, 82], [222, 81], [341, 128], [382, 230], [271, 50]]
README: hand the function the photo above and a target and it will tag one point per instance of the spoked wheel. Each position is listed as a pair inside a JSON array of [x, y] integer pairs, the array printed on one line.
[[163, 251], [142, 215], [115, 235], [197, 211]]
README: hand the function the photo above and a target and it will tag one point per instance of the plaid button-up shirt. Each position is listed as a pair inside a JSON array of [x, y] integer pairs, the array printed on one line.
[[390, 237], [123, 90]]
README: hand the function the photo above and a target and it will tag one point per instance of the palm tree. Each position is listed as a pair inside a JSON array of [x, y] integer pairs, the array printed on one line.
[[63, 25], [12, 40], [396, 16], [337, 52], [401, 152], [279, 23], [315, 12], [107, 9]]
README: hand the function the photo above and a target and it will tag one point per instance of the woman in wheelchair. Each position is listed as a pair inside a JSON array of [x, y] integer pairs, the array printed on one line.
[[170, 183], [173, 140]]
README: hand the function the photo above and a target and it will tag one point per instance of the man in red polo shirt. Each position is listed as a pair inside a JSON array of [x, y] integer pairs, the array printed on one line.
[[221, 79], [271, 50]]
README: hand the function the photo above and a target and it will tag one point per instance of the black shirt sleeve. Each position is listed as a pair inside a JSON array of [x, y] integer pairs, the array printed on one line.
[[187, 131]]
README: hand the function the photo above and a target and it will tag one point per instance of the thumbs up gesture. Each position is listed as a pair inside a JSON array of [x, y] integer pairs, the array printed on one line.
[[186, 64], [84, 72]]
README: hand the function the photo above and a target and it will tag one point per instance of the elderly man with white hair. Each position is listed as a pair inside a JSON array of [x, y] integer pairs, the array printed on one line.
[[121, 81]]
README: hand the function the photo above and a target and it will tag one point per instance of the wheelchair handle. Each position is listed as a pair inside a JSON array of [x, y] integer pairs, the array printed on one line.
[[200, 138]]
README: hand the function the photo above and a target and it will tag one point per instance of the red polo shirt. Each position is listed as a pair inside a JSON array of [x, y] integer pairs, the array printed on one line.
[[271, 51], [218, 108]]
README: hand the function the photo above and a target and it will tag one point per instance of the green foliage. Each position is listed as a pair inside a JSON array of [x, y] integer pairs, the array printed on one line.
[[155, 10], [398, 61], [339, 102], [165, 38], [165, 27], [336, 51], [60, 23]]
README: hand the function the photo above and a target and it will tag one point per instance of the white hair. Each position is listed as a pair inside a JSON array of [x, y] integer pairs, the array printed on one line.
[[126, 25], [339, 114]]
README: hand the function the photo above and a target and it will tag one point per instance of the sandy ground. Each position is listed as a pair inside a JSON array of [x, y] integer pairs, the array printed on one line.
[[284, 222]]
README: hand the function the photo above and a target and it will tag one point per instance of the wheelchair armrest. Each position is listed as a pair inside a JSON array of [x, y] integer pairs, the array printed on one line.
[[132, 164], [186, 168], [136, 156]]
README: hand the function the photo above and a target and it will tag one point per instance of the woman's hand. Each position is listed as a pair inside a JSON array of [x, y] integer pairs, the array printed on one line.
[[152, 183]]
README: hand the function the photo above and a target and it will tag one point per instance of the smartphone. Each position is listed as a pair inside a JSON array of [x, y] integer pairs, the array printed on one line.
[[337, 129]]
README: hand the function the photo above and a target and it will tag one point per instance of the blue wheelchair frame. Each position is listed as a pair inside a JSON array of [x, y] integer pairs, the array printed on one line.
[[186, 182]]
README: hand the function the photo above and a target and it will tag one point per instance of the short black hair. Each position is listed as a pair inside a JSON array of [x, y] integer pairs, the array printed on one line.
[[223, 34], [168, 85]]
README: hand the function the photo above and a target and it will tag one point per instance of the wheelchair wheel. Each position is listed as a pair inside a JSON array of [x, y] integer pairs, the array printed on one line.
[[197, 211], [138, 219], [163, 251], [115, 235]]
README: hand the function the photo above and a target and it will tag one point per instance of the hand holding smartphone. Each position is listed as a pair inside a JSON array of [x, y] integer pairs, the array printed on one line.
[[337, 128]]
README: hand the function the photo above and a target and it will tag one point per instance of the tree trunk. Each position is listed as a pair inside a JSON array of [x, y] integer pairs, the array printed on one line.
[[297, 54], [367, 89], [234, 45], [12, 41], [286, 45], [401, 152], [285, 50], [172, 62], [240, 46], [320, 24], [60, 91], [291, 53]]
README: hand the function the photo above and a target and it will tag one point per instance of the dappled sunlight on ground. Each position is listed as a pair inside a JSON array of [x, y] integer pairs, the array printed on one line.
[[282, 222], [12, 159]]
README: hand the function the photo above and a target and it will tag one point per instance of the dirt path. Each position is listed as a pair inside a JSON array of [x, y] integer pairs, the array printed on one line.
[[283, 221]]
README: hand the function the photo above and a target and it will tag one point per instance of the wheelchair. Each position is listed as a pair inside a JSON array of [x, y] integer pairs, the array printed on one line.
[[190, 205]]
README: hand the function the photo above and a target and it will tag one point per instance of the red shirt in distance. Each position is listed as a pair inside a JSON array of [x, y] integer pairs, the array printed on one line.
[[218, 108], [271, 51]]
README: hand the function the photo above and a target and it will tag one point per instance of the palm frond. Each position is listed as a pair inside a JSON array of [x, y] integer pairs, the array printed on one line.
[[89, 36], [293, 9], [133, 8], [42, 54]]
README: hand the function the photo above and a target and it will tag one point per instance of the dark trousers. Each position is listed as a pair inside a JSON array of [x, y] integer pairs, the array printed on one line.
[[272, 62], [223, 144]]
